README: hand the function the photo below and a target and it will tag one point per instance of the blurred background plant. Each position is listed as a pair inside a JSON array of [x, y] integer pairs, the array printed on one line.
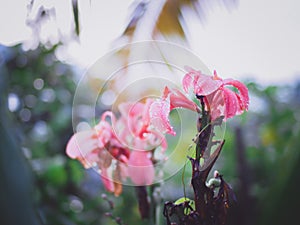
[[40, 185]]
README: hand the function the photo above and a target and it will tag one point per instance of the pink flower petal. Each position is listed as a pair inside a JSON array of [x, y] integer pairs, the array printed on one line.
[[188, 82], [140, 168], [159, 113], [145, 112], [104, 133], [216, 104], [160, 109], [178, 99], [206, 86], [84, 147], [231, 103], [243, 92], [201, 84]]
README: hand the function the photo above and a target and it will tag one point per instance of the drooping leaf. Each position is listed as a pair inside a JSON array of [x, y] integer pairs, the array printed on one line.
[[76, 16]]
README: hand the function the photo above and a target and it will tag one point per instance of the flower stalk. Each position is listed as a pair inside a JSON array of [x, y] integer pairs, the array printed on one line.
[[143, 202], [213, 198], [204, 129]]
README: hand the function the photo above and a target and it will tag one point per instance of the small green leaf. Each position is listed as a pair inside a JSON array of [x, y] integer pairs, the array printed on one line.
[[190, 204]]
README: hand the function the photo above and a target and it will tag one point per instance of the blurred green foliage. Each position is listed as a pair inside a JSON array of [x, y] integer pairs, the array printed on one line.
[[36, 111], [38, 98]]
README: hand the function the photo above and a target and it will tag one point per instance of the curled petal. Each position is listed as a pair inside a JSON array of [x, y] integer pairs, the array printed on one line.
[[243, 92], [104, 133], [84, 146], [110, 115], [178, 99], [159, 113], [140, 168], [231, 103]]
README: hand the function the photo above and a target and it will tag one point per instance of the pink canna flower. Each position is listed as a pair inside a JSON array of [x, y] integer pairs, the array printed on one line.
[[86, 146], [99, 147], [240, 100], [221, 100], [121, 148]]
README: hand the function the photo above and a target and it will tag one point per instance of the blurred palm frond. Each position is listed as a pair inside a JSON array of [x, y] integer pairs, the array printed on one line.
[[165, 18], [162, 20]]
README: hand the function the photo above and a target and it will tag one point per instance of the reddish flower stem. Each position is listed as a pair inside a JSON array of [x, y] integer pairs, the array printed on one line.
[[144, 206]]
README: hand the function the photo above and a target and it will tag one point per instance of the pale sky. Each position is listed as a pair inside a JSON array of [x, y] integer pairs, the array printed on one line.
[[258, 39]]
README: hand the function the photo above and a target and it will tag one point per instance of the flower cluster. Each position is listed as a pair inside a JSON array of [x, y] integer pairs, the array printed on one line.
[[219, 101], [121, 147]]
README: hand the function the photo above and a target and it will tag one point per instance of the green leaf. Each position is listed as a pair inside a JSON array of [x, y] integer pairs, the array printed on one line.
[[189, 202]]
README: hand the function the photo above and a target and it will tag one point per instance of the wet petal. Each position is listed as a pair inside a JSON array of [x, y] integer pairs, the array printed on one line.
[[216, 104], [231, 103], [159, 113], [243, 92], [201, 84], [206, 85], [145, 112], [178, 100]]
